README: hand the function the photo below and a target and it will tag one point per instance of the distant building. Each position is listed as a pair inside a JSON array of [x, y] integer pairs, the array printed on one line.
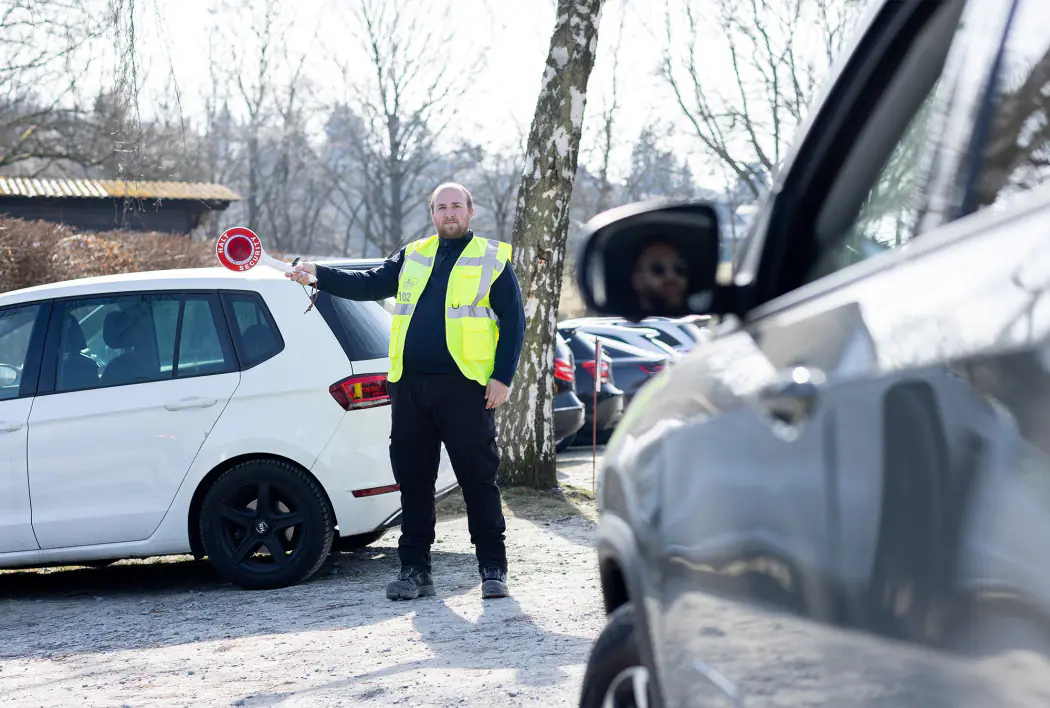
[[103, 204]]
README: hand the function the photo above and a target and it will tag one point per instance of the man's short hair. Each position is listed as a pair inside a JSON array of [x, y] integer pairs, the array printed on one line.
[[457, 185]]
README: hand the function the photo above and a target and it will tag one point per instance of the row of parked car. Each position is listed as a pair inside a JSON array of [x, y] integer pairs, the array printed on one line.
[[594, 386], [631, 354]]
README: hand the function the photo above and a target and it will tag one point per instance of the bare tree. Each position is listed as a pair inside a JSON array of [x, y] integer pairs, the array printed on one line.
[[495, 186], [609, 112], [44, 47], [775, 69], [540, 230], [407, 98], [256, 62]]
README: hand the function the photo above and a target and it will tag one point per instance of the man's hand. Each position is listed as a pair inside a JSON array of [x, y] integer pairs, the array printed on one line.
[[496, 393], [301, 270]]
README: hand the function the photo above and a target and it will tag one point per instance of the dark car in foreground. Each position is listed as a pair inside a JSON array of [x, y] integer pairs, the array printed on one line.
[[842, 498]]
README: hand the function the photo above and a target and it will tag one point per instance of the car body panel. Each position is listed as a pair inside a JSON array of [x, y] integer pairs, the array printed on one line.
[[16, 527], [906, 500], [280, 408]]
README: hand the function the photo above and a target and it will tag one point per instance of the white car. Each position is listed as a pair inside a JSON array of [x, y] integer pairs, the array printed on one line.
[[193, 411]]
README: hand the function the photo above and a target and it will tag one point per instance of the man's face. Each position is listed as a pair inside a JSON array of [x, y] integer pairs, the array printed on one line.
[[451, 215], [660, 276]]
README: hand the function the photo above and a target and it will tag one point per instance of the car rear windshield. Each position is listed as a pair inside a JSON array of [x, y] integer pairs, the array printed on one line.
[[362, 328]]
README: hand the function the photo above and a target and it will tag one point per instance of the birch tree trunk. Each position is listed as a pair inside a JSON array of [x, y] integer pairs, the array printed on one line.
[[540, 230]]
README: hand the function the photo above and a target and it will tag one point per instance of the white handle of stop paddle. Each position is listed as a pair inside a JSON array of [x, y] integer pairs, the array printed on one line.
[[268, 260]]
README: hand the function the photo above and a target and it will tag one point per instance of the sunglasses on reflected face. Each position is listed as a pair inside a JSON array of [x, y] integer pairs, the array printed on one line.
[[662, 268]]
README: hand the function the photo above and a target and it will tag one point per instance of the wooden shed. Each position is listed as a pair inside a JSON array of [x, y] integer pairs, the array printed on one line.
[[103, 204]]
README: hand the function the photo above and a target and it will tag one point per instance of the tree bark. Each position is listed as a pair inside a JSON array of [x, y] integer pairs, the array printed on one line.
[[540, 230]]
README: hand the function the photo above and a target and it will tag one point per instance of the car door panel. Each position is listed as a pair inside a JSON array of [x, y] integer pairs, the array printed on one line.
[[16, 529], [21, 339], [106, 462]]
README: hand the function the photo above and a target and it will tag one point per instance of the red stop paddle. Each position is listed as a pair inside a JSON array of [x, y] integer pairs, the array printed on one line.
[[239, 249]]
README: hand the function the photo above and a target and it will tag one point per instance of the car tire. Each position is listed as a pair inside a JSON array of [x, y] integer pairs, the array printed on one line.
[[615, 651], [565, 444], [358, 541], [296, 530]]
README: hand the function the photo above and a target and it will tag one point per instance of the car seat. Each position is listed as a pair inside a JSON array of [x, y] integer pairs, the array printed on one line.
[[129, 332], [76, 370]]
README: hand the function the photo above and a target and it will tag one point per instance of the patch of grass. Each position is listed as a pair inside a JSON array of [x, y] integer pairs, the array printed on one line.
[[533, 504]]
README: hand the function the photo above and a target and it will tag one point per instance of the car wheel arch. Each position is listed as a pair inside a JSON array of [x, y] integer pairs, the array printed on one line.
[[206, 483]]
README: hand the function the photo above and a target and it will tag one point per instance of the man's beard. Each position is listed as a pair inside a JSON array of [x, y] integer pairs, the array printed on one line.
[[452, 229]]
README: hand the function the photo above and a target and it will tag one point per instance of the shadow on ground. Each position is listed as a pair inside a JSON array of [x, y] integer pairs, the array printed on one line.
[[164, 602], [503, 638]]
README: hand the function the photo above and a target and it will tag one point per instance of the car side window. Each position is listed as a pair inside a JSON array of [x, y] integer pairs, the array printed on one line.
[[254, 330], [117, 340], [1016, 151], [867, 215], [16, 330], [204, 349]]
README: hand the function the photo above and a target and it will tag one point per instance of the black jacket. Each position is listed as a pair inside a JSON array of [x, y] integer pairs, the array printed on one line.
[[426, 351]]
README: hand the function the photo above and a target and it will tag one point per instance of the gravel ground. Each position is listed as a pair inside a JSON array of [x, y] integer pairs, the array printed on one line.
[[169, 633]]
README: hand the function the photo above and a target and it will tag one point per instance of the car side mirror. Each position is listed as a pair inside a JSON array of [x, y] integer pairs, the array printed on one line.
[[651, 259]]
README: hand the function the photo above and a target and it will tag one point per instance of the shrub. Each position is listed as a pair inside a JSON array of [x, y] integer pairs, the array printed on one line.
[[38, 252]]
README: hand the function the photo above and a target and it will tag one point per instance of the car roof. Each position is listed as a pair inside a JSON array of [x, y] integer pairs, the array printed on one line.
[[609, 328], [182, 278]]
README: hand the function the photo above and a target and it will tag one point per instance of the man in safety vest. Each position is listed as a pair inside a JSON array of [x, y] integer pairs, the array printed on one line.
[[458, 328]]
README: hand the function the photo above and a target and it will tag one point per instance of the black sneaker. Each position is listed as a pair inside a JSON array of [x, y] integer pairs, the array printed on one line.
[[410, 584], [494, 583]]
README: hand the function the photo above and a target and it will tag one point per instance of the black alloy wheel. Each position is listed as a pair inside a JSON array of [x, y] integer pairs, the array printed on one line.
[[266, 524]]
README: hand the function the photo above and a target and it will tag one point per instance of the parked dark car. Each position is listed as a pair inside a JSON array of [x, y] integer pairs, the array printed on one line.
[[640, 337], [846, 490], [681, 334], [569, 411], [610, 399], [632, 367]]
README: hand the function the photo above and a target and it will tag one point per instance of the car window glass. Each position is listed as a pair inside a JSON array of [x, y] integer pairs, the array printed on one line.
[[901, 135], [257, 336], [889, 215], [116, 340], [1016, 153], [667, 339], [16, 328], [202, 349]]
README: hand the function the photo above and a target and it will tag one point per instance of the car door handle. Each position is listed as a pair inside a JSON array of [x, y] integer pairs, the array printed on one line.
[[792, 394], [192, 402], [6, 427]]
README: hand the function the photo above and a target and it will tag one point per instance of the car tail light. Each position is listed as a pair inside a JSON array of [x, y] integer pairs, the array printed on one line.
[[653, 369], [563, 370], [356, 392], [589, 366]]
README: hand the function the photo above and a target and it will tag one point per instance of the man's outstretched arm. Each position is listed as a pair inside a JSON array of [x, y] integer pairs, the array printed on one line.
[[375, 284]]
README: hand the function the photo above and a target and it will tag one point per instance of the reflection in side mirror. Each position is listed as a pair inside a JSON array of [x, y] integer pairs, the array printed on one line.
[[653, 258]]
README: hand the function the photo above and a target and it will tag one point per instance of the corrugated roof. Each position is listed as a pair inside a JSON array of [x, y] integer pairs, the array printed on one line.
[[102, 188]]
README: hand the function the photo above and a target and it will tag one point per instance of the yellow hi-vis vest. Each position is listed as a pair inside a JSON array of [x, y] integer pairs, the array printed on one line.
[[471, 327]]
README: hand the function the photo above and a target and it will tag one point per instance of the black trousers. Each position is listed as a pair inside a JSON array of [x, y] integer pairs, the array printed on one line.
[[430, 409]]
